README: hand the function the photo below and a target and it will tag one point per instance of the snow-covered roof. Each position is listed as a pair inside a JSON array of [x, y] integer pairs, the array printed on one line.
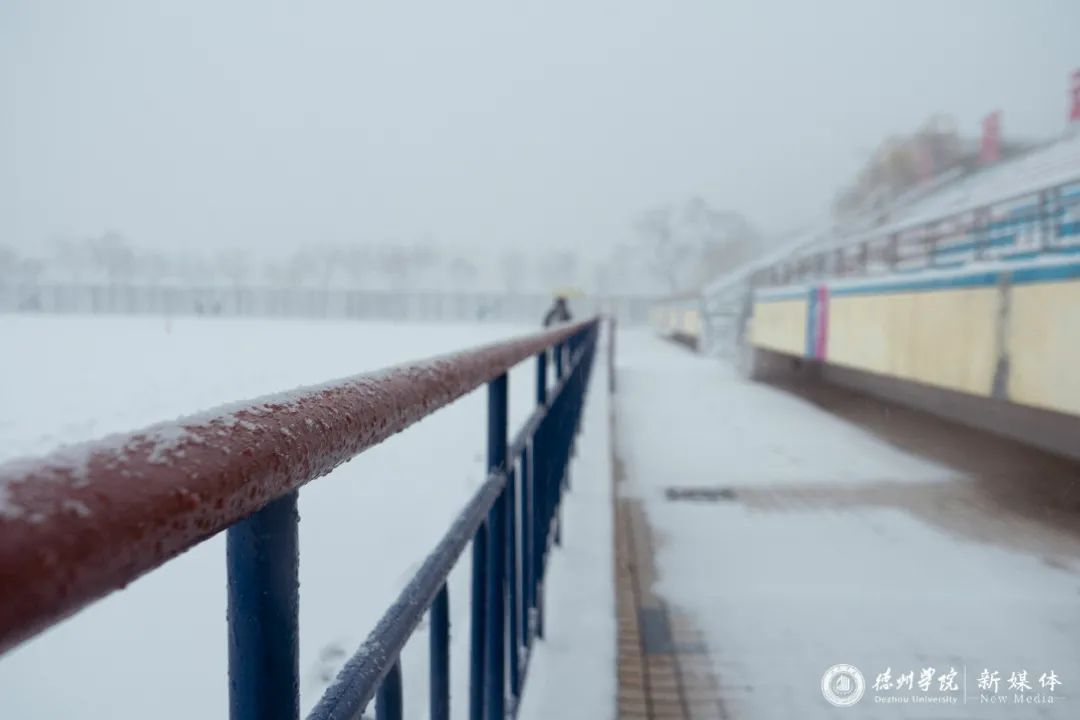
[[784, 250], [1052, 165]]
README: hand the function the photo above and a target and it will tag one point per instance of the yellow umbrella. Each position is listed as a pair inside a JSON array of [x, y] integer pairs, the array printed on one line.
[[570, 293]]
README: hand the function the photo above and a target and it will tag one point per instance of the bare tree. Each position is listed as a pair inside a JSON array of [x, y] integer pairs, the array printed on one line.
[[300, 269], [512, 267], [9, 264], [73, 258], [235, 265], [112, 253], [664, 253], [717, 240], [559, 269], [396, 264], [357, 262], [154, 267], [687, 248], [463, 272]]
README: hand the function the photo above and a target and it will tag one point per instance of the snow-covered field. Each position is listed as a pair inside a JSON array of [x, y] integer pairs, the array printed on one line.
[[783, 590], [158, 648]]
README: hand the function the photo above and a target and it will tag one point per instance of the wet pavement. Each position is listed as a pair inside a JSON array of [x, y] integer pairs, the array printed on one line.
[[766, 534]]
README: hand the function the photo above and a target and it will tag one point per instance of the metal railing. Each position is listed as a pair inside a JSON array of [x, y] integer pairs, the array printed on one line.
[[1041, 222], [83, 522]]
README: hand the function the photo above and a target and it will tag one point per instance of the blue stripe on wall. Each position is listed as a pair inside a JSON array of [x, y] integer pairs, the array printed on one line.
[[970, 245], [911, 282], [985, 279], [1054, 273], [1020, 276], [796, 293]]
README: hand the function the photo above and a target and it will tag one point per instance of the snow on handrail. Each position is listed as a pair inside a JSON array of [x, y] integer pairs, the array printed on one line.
[[87, 520]]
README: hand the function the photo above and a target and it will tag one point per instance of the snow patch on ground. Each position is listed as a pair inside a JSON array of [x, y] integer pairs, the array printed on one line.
[[716, 429]]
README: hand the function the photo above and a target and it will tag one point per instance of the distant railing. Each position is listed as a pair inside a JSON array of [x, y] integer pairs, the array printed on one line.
[[80, 523], [1037, 222], [30, 295], [678, 318]]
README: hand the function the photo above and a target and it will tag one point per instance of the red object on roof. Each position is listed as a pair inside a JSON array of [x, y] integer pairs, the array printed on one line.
[[990, 150], [1074, 110]]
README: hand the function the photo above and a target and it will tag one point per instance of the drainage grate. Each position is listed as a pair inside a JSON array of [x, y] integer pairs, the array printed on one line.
[[655, 631], [701, 494], [657, 638]]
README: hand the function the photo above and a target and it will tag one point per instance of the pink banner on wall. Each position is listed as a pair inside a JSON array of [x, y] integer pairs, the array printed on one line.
[[822, 335]]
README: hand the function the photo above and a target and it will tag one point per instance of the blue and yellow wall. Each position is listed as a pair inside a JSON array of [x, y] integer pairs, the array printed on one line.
[[679, 319], [1010, 332]]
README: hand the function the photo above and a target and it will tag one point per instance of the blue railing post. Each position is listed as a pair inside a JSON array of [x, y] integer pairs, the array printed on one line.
[[541, 378], [477, 619], [439, 656], [537, 454], [512, 613], [528, 540], [262, 556], [558, 467], [523, 545], [540, 461], [495, 653], [388, 701], [562, 481]]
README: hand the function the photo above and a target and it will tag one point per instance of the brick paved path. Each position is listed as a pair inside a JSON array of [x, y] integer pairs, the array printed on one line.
[[664, 668]]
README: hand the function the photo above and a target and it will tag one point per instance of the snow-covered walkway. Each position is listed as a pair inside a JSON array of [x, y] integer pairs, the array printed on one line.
[[795, 538]]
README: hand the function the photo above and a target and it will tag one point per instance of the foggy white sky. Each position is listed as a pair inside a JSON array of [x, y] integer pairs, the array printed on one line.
[[274, 124]]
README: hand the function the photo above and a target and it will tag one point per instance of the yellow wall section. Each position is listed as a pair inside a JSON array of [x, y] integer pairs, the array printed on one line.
[[1044, 345], [676, 321], [780, 325], [942, 337], [690, 324]]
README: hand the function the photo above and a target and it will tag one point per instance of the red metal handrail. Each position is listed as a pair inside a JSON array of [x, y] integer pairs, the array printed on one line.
[[87, 520]]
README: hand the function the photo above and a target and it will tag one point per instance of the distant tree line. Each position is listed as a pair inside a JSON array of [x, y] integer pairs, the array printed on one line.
[[902, 163], [670, 249], [685, 246], [113, 259]]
